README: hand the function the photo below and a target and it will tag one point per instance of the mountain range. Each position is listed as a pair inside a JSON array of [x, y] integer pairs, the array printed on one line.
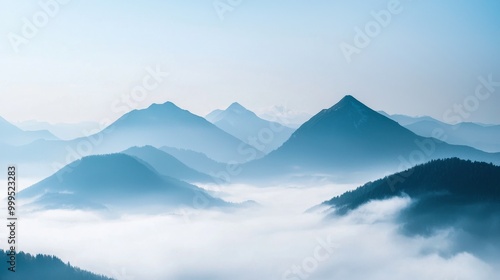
[[158, 125], [196, 160], [348, 141], [479, 136]]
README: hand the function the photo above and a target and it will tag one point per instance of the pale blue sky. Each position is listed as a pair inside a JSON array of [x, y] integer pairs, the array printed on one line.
[[263, 53]]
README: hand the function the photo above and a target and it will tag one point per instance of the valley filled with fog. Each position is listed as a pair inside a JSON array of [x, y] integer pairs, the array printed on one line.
[[275, 239]]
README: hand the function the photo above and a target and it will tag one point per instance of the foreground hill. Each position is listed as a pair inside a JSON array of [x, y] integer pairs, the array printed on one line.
[[44, 267], [115, 181], [158, 125], [450, 193], [248, 127], [66, 131]]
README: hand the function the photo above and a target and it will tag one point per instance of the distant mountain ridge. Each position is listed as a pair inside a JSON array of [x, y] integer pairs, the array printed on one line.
[[13, 135], [64, 131], [479, 136], [485, 138], [158, 125], [343, 141]]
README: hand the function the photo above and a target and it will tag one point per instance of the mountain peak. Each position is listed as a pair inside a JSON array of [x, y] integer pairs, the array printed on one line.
[[348, 100], [236, 107], [163, 110], [166, 105], [348, 107]]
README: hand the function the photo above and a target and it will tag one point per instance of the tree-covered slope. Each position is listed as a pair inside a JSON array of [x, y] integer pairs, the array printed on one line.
[[44, 267]]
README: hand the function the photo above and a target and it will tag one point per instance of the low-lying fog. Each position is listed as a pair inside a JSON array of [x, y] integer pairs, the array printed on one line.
[[276, 240]]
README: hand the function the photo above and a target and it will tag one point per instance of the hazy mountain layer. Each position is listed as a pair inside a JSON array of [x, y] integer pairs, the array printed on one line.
[[248, 127], [168, 125], [12, 135]]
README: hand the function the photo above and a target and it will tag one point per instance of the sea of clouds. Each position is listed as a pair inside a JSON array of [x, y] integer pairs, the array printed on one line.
[[275, 240]]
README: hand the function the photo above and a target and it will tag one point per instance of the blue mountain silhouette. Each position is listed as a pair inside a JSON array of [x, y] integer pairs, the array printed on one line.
[[14, 136], [350, 138]]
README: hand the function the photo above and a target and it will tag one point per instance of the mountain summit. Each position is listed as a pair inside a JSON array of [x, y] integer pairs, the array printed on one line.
[[237, 108]]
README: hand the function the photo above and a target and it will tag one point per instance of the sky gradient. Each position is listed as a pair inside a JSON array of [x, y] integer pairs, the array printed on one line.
[[91, 54]]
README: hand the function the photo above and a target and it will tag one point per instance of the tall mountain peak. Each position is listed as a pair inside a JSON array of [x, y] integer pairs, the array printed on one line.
[[237, 108], [349, 112], [351, 102]]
